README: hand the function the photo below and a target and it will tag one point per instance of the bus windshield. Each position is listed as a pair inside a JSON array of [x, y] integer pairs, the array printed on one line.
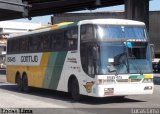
[[120, 32], [116, 58]]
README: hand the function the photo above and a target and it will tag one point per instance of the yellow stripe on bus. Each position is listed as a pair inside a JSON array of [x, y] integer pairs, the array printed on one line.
[[36, 74], [148, 76]]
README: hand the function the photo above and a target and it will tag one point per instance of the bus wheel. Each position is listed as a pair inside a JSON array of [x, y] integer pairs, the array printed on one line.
[[75, 90], [19, 82], [25, 84]]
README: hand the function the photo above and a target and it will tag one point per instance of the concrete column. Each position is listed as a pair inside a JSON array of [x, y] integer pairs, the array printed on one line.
[[137, 10]]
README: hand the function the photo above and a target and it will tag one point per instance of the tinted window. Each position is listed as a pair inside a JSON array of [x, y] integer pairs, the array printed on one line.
[[57, 40], [15, 45], [45, 43], [34, 43], [24, 44], [9, 43], [71, 38], [87, 32], [120, 32]]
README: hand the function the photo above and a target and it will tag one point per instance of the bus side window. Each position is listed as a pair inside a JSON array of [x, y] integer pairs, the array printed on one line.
[[58, 41], [9, 43], [71, 38], [89, 59], [34, 43], [23, 45], [45, 43], [15, 46], [84, 56], [87, 32], [53, 41]]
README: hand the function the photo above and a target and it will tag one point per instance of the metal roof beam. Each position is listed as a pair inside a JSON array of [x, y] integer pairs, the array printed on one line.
[[15, 5]]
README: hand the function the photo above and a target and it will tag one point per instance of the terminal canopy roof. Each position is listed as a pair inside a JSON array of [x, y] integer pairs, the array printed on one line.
[[14, 9]]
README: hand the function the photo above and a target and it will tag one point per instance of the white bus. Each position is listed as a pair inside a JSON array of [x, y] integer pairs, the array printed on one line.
[[98, 57]]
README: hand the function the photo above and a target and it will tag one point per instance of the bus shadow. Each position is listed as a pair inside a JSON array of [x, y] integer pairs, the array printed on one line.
[[108, 100], [63, 96]]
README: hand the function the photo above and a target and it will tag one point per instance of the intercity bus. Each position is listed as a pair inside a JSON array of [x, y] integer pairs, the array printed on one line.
[[97, 57]]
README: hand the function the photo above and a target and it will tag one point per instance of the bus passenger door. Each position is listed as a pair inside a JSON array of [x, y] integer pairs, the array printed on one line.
[[89, 66]]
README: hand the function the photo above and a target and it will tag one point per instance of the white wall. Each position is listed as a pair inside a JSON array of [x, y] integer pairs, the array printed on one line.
[[17, 27]]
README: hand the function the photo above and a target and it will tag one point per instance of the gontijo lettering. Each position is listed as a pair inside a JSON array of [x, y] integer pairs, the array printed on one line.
[[29, 58]]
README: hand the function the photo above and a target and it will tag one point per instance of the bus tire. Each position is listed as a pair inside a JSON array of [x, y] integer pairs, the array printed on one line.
[[26, 88], [75, 90], [19, 82]]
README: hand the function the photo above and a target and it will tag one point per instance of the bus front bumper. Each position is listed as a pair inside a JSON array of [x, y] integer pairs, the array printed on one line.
[[124, 89]]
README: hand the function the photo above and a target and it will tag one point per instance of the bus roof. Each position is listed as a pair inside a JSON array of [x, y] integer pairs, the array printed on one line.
[[54, 26], [45, 29], [91, 21], [111, 21]]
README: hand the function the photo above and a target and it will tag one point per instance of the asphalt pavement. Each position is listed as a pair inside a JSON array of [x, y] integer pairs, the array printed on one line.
[[11, 97]]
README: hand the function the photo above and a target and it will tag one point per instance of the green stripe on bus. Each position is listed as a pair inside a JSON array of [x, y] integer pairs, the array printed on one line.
[[68, 25], [49, 73], [57, 70], [54, 69], [136, 77]]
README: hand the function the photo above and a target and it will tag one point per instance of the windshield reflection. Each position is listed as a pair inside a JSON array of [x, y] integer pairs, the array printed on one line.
[[120, 32], [116, 58]]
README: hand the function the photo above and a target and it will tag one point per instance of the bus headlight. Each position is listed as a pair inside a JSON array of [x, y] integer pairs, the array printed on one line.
[[147, 80]]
